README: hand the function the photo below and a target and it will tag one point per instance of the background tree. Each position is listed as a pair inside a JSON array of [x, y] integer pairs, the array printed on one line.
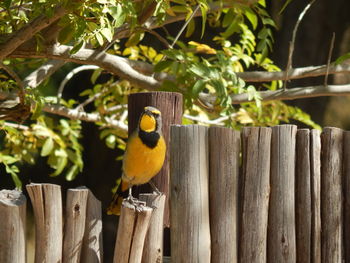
[[68, 66]]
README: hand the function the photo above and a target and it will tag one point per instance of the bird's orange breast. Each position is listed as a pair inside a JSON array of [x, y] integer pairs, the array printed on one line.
[[141, 162]]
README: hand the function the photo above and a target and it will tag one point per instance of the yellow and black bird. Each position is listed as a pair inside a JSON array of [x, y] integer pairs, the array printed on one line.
[[144, 156]]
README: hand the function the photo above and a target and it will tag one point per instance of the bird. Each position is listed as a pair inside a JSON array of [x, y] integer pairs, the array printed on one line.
[[143, 158]]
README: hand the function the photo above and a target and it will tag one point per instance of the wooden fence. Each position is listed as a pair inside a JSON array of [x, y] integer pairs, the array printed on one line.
[[260, 195]]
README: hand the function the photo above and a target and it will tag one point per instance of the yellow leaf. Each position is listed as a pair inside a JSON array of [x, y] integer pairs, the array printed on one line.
[[243, 117]]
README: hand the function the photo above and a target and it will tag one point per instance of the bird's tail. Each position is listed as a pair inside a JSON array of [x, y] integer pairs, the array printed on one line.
[[116, 204]]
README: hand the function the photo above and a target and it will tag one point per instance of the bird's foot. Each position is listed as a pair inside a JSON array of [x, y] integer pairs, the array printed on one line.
[[154, 187]]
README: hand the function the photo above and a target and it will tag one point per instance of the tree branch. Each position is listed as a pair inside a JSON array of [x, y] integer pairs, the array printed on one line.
[[83, 116], [295, 73], [28, 31], [119, 66], [289, 94], [35, 78]]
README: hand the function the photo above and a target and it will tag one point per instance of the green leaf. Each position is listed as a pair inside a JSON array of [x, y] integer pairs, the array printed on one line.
[[161, 65], [47, 147], [200, 70], [118, 15], [342, 58], [134, 39], [95, 75], [190, 28], [77, 47], [66, 34], [252, 17], [72, 173], [233, 27], [99, 38], [198, 87], [204, 10], [107, 33], [179, 9], [13, 170], [111, 140]]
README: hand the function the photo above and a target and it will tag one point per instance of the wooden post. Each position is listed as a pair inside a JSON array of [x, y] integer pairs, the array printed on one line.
[[47, 204], [12, 226], [303, 196], [255, 188], [74, 224], [331, 194], [346, 191], [281, 226], [153, 249], [190, 230], [315, 164], [132, 229], [224, 150], [170, 105], [92, 251]]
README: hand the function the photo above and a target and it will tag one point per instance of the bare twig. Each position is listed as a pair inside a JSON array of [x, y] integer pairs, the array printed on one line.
[[329, 59], [218, 121], [28, 31], [289, 94], [16, 126], [295, 73], [71, 75], [292, 43], [84, 116]]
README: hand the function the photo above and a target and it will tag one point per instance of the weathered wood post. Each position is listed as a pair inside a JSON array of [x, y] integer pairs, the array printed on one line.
[[281, 226], [92, 250], [74, 226], [170, 105], [315, 165], [47, 204], [153, 249], [255, 187], [331, 194], [303, 196], [224, 150], [12, 226], [190, 229], [346, 191], [132, 230]]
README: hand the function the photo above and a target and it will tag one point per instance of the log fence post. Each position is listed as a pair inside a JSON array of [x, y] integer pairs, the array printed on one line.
[[255, 194], [190, 227], [47, 204], [12, 226]]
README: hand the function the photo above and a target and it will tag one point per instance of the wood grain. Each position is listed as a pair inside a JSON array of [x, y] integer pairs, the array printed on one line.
[[255, 194], [13, 226], [153, 249], [281, 226], [315, 164], [92, 250], [132, 229], [170, 105], [331, 194], [346, 191], [190, 230], [47, 205], [303, 210], [74, 226], [224, 151]]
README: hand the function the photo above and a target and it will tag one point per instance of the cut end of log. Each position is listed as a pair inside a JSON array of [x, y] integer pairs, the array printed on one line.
[[12, 197]]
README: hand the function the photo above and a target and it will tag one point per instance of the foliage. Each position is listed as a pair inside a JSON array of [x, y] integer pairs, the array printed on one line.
[[197, 67]]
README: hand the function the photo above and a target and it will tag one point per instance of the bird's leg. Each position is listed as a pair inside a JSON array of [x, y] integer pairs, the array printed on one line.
[[135, 201], [154, 187]]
